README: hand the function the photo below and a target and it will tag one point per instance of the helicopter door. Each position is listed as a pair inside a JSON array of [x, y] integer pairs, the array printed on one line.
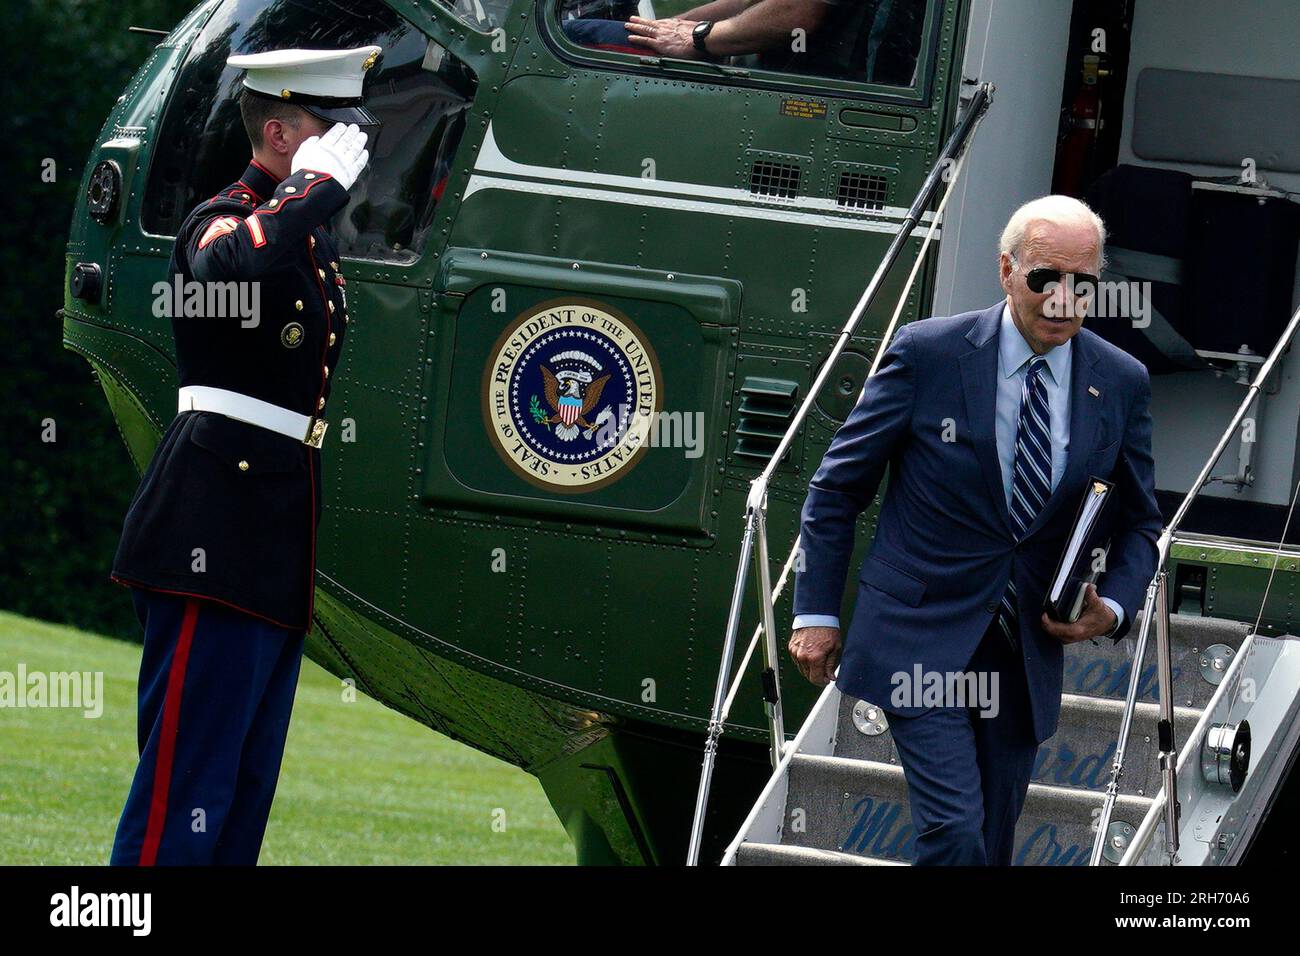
[[579, 390]]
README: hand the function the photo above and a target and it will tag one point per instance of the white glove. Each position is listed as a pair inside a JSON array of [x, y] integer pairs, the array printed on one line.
[[340, 152]]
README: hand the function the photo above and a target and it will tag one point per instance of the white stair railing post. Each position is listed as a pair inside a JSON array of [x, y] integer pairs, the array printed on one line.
[[719, 694], [1125, 725]]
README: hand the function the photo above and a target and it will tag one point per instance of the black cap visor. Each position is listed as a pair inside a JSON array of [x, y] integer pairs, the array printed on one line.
[[342, 114]]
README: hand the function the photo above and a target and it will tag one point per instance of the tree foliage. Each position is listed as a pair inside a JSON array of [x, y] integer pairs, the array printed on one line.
[[65, 499]]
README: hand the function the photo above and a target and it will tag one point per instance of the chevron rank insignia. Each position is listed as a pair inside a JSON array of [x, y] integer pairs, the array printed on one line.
[[219, 228]]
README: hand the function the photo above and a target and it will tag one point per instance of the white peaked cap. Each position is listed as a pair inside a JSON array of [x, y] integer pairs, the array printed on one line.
[[326, 83]]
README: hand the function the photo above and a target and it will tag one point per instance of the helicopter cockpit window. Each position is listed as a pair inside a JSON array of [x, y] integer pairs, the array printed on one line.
[[420, 93], [481, 15], [877, 42]]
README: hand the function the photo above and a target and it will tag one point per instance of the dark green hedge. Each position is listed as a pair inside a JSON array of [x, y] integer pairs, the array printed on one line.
[[63, 501]]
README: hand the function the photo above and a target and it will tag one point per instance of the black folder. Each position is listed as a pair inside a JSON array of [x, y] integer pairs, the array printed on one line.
[[1080, 564]]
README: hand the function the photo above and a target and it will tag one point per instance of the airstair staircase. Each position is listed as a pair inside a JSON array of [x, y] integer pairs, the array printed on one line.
[[844, 800], [1178, 766]]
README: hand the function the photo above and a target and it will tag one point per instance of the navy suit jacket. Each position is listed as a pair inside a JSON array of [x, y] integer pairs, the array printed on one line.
[[944, 549]]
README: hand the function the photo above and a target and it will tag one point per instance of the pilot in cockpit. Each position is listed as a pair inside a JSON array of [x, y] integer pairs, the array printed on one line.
[[865, 40]]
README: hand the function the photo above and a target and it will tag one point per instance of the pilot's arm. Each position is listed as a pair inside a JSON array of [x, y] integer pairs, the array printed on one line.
[[762, 26], [766, 25], [717, 10]]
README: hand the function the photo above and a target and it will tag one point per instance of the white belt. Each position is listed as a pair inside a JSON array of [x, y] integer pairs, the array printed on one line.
[[254, 411]]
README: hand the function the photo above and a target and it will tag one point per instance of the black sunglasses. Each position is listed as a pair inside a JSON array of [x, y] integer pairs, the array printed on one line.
[[1081, 284]]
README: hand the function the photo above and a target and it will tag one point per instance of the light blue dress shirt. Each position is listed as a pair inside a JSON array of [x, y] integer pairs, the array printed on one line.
[[1014, 354]]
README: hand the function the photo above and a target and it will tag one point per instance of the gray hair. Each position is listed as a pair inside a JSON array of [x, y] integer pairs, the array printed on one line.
[[1063, 210]]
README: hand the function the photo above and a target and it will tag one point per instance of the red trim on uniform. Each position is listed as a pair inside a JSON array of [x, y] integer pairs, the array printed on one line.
[[248, 189], [311, 467], [311, 571], [274, 177], [171, 717], [128, 583], [285, 200], [255, 229]]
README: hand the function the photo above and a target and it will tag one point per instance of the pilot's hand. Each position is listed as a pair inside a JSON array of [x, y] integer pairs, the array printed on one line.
[[340, 151], [1095, 620], [668, 37], [816, 652]]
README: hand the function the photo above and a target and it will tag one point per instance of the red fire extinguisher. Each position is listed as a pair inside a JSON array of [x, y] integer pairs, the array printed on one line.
[[1080, 128]]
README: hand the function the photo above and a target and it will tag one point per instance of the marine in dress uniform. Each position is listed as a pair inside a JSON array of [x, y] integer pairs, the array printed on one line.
[[219, 543]]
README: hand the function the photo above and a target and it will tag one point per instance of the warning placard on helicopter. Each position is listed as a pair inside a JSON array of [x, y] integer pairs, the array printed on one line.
[[803, 108], [570, 393]]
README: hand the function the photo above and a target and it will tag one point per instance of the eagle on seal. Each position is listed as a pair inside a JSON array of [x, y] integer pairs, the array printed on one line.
[[570, 404]]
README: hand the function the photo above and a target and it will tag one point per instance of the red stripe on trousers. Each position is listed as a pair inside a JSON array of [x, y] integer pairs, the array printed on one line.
[[162, 774]]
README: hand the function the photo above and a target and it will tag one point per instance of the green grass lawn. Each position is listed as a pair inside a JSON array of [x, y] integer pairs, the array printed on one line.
[[360, 783]]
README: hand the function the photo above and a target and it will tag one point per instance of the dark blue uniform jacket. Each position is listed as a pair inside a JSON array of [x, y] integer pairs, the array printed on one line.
[[228, 510]]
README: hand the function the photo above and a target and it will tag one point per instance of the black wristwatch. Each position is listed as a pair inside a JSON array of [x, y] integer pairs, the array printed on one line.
[[700, 34]]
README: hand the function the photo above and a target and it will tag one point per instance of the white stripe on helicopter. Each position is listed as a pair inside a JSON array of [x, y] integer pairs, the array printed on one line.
[[561, 182], [481, 183]]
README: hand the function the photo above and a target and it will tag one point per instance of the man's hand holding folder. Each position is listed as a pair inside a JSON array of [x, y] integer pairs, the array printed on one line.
[[1073, 611], [1095, 620]]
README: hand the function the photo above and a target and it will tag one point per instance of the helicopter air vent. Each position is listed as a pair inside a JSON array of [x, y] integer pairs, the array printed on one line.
[[766, 407], [773, 179], [865, 191]]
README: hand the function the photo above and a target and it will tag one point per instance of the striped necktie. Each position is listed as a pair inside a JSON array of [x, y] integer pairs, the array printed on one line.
[[1031, 476]]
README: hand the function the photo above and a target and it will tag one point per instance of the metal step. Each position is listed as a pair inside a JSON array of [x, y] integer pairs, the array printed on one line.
[[861, 807], [853, 806], [772, 854], [1081, 752], [1103, 670], [1078, 755]]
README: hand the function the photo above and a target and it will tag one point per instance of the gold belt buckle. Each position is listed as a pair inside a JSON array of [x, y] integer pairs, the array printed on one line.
[[316, 433]]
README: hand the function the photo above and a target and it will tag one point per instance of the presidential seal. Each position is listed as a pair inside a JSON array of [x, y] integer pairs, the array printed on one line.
[[570, 392]]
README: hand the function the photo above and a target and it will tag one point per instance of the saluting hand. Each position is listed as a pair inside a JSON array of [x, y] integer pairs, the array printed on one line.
[[340, 151]]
